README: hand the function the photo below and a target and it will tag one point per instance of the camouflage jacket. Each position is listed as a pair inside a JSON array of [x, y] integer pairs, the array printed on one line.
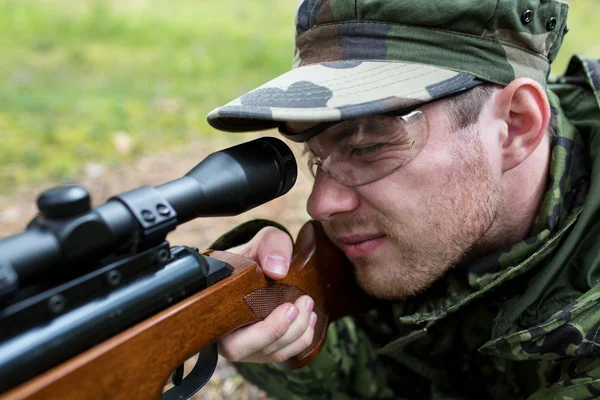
[[521, 324]]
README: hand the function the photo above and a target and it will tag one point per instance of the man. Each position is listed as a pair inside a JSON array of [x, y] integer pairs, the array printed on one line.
[[461, 187]]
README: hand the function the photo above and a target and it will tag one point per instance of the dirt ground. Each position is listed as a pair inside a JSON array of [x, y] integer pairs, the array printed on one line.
[[19, 207]]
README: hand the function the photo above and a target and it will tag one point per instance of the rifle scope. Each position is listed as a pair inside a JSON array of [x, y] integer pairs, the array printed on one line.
[[67, 231]]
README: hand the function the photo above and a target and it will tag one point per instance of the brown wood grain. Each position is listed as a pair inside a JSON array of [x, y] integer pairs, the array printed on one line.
[[136, 363]]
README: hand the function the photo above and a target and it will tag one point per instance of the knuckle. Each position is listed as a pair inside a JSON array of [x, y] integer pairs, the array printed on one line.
[[300, 301], [232, 348], [270, 230], [265, 234], [267, 351], [274, 237], [274, 332], [230, 353], [299, 330]]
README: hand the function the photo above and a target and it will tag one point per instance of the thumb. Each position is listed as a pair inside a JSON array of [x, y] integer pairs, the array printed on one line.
[[271, 248], [273, 251]]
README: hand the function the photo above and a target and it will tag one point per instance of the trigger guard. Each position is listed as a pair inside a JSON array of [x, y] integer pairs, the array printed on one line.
[[198, 376]]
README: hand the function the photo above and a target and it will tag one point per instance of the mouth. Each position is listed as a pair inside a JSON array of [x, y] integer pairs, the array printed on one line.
[[361, 245]]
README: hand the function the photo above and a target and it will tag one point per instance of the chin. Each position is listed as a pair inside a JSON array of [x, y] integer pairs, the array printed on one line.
[[382, 287]]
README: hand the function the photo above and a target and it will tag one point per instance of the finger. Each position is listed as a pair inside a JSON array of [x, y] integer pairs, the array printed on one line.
[[295, 332], [251, 339], [274, 250], [305, 304], [271, 248], [298, 346]]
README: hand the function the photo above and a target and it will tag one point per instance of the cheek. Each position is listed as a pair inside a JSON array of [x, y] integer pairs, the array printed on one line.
[[492, 146], [407, 190], [430, 170]]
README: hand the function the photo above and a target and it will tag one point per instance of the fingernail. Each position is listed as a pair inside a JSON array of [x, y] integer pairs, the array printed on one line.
[[313, 320], [276, 263], [291, 314], [309, 304]]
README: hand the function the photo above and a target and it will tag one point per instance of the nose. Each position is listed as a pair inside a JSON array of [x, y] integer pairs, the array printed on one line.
[[329, 197]]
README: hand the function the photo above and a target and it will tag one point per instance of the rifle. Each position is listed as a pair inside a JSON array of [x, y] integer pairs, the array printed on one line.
[[95, 304]]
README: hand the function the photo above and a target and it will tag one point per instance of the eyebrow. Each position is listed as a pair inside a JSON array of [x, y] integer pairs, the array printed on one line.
[[344, 134], [306, 134]]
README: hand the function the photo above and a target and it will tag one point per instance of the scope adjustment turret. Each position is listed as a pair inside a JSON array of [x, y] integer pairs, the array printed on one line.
[[64, 201]]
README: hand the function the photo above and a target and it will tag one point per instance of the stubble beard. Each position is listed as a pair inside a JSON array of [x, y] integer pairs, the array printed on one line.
[[421, 252]]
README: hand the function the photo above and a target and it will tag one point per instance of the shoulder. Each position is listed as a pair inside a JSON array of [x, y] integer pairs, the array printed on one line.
[[574, 331], [581, 70], [580, 83]]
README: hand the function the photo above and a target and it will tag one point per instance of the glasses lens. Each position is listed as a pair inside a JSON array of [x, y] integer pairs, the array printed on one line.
[[360, 151]]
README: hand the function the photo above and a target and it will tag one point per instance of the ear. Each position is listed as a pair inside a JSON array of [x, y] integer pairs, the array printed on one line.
[[524, 107]]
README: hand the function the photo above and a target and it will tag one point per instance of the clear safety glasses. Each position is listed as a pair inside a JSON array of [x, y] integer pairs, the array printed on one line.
[[362, 150]]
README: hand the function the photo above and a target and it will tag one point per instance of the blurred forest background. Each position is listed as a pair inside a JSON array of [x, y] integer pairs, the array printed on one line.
[[107, 81], [114, 94]]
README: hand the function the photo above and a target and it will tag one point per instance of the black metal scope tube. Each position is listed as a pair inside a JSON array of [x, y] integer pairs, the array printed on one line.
[[231, 181], [227, 182]]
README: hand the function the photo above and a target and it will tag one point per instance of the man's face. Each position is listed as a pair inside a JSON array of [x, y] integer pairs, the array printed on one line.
[[404, 231]]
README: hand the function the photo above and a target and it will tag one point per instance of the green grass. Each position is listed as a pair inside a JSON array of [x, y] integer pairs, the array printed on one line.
[[584, 33], [73, 73]]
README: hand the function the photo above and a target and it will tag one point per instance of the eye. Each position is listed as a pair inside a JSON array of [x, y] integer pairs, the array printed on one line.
[[367, 150]]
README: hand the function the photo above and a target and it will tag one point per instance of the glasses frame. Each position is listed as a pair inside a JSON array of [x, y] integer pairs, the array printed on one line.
[[317, 161], [306, 135]]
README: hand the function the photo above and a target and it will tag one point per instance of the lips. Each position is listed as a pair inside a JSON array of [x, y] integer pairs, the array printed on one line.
[[360, 245]]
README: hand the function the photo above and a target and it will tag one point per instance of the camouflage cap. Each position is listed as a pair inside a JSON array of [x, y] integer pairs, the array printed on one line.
[[360, 57]]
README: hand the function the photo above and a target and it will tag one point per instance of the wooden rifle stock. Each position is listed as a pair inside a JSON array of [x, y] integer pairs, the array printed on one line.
[[136, 363]]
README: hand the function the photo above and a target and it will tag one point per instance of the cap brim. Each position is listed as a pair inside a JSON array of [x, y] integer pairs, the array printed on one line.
[[336, 91]]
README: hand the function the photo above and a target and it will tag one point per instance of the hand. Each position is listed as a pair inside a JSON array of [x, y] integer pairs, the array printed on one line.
[[289, 329]]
